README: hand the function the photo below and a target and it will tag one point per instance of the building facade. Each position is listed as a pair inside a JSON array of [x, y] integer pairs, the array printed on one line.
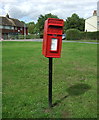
[[10, 27], [92, 23]]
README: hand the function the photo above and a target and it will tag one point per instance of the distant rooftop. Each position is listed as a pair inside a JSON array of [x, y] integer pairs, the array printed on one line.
[[10, 21]]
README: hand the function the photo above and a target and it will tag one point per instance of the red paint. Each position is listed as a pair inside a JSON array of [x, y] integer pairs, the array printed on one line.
[[53, 29]]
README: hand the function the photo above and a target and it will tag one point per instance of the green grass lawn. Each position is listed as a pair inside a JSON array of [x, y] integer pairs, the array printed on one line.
[[25, 81]]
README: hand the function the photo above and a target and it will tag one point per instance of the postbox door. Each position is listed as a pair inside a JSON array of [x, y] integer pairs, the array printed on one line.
[[54, 46]]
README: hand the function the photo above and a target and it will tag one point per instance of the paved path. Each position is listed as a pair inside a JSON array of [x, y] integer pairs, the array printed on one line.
[[40, 40], [82, 42]]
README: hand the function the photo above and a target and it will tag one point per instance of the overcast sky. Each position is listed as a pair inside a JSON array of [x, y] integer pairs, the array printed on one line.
[[30, 10]]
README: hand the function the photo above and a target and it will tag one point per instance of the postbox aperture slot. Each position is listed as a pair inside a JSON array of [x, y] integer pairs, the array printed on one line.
[[55, 30], [54, 44]]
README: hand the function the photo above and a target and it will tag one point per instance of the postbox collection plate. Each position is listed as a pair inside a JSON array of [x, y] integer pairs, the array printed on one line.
[[54, 44]]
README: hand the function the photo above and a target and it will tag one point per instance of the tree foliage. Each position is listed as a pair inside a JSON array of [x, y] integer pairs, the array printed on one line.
[[31, 26], [74, 22], [41, 20]]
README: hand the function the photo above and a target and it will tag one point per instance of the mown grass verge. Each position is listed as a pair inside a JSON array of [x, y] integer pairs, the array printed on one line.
[[25, 81]]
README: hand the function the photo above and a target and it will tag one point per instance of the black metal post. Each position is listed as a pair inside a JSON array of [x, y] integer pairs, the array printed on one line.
[[50, 83]]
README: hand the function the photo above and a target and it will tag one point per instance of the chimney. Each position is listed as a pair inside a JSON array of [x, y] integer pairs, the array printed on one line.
[[7, 15], [95, 13]]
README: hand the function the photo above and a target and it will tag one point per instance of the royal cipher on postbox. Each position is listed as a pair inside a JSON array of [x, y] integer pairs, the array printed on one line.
[[52, 38]]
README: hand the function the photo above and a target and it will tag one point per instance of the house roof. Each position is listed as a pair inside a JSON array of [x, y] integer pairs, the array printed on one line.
[[92, 17], [95, 14], [10, 22]]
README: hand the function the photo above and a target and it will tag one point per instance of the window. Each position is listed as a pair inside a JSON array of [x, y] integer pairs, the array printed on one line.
[[8, 27], [1, 26], [12, 28], [15, 28], [20, 28], [98, 22]]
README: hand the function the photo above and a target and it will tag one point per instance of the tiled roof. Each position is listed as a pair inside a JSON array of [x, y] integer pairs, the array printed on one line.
[[11, 22]]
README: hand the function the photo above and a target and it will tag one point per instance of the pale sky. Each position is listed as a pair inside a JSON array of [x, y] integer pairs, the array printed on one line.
[[30, 10]]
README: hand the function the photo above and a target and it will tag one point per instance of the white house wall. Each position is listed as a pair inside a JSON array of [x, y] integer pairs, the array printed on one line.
[[91, 24]]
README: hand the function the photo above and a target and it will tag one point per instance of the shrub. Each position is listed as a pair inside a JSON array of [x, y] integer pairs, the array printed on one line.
[[97, 35], [73, 34], [31, 36], [90, 35], [20, 36]]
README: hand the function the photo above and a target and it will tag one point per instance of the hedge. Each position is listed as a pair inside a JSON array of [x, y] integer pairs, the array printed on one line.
[[32, 36], [74, 34], [90, 35]]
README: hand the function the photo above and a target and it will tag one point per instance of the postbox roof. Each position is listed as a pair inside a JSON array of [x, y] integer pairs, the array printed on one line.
[[55, 22]]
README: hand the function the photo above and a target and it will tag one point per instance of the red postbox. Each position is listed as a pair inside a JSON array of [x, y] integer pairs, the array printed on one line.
[[52, 39]]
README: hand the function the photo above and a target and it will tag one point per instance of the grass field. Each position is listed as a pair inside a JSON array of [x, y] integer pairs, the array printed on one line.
[[25, 81]]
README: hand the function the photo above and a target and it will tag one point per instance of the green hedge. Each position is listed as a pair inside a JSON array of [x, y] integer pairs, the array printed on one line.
[[74, 34], [32, 36], [90, 35]]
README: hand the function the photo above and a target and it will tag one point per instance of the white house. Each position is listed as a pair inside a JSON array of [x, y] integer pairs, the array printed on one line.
[[92, 23]]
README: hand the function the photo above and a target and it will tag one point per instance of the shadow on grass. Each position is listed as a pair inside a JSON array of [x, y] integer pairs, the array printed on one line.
[[74, 90], [78, 89], [59, 101]]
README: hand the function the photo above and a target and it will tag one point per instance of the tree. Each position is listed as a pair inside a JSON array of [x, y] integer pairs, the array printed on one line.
[[41, 20], [36, 29], [74, 22], [31, 26], [23, 22]]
